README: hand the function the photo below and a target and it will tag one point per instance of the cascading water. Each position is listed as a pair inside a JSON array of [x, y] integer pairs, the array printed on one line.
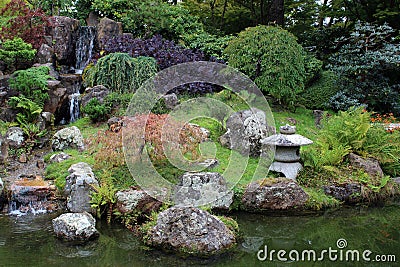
[[84, 47], [74, 107]]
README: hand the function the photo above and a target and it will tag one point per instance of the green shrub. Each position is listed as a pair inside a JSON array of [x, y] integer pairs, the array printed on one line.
[[16, 51], [318, 93], [29, 111], [120, 72], [211, 45], [32, 83], [313, 67], [96, 110], [341, 134], [272, 58]]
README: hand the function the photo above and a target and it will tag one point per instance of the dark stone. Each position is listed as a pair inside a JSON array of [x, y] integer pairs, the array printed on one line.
[[318, 116], [3, 150], [115, 124], [93, 19], [369, 165], [59, 157], [65, 34], [45, 54], [274, 194], [8, 114], [106, 29], [23, 158], [191, 231], [349, 193], [170, 100], [98, 91]]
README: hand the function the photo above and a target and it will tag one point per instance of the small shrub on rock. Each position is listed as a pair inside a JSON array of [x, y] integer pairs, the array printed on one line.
[[15, 53]]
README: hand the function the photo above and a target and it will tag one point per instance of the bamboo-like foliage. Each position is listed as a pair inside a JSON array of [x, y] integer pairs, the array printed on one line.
[[121, 73]]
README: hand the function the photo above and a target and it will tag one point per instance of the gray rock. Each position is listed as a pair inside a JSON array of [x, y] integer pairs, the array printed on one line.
[[192, 231], [45, 54], [1, 186], [245, 129], [170, 100], [203, 188], [98, 91], [3, 149], [349, 193], [64, 35], [79, 186], [59, 157], [273, 194], [396, 180], [138, 201], [70, 137], [107, 28], [75, 227], [15, 137], [369, 165]]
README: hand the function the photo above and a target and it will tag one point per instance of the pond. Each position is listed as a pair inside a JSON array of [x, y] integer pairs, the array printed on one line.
[[29, 241]]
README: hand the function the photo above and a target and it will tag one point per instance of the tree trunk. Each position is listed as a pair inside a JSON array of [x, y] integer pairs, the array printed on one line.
[[276, 12]]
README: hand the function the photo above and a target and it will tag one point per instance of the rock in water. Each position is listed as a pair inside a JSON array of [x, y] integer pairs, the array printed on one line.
[[79, 186], [132, 200], [70, 137], [274, 194], [192, 231], [75, 227]]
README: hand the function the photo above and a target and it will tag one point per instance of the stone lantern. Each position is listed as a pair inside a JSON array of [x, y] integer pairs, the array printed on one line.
[[287, 150]]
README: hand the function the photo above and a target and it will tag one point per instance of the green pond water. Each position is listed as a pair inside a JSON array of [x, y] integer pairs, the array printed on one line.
[[29, 241]]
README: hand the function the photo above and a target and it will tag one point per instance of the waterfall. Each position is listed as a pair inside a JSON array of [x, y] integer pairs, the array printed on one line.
[[74, 107], [84, 47]]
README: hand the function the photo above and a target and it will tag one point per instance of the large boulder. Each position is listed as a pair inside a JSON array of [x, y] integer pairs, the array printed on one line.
[[245, 130], [273, 194], [106, 29], [75, 227], [70, 137], [136, 201], [15, 137], [79, 187], [192, 231], [98, 91], [369, 165], [203, 189], [348, 192], [64, 35]]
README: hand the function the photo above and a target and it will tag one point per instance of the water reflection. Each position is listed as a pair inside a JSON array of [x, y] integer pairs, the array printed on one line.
[[29, 240]]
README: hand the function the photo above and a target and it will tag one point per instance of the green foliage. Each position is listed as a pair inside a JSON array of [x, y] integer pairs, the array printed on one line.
[[318, 93], [272, 58], [313, 67], [211, 45], [319, 201], [368, 71], [96, 110], [32, 83], [16, 51], [385, 147], [120, 72], [147, 18], [341, 134], [232, 225], [29, 111], [103, 198]]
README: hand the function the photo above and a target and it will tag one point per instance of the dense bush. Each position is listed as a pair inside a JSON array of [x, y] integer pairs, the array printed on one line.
[[32, 83], [211, 45], [272, 58], [120, 72], [146, 18], [368, 69], [16, 52], [167, 53], [317, 94], [24, 22], [96, 111]]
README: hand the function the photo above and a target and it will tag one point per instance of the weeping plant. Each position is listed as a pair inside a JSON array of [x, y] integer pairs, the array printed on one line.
[[120, 73]]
